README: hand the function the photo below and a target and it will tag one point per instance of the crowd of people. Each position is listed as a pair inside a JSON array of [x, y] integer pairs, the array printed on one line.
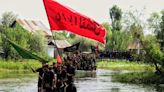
[[82, 61], [60, 77], [56, 78]]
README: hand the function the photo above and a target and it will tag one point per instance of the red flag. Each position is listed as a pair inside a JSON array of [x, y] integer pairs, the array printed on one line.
[[63, 18], [59, 60]]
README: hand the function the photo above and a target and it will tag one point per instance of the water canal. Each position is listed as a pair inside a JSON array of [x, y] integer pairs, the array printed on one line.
[[85, 82]]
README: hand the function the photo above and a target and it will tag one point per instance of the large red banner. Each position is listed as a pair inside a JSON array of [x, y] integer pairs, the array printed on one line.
[[63, 18]]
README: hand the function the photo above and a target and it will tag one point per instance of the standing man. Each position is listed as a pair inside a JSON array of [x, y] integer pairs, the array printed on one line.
[[41, 72], [48, 79], [70, 72]]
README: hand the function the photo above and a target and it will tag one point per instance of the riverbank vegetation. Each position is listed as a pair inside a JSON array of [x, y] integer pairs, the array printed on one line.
[[18, 66], [120, 65], [137, 72], [139, 78]]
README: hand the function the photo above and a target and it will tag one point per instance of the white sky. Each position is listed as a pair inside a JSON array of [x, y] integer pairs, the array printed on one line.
[[95, 9]]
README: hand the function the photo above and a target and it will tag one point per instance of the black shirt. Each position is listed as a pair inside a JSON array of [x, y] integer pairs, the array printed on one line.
[[71, 70], [63, 74], [48, 77], [40, 70], [55, 69], [71, 73]]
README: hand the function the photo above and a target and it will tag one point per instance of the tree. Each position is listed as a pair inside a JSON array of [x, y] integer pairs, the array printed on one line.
[[85, 44], [120, 40], [160, 34], [37, 42], [116, 15], [8, 18], [136, 31], [0, 36], [19, 36], [108, 28], [133, 23], [153, 53], [156, 23], [132, 17]]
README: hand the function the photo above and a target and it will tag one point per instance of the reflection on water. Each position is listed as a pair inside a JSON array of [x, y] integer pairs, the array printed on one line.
[[85, 82], [84, 74], [115, 89], [159, 88]]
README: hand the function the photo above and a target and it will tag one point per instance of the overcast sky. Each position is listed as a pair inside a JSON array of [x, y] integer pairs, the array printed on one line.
[[95, 9]]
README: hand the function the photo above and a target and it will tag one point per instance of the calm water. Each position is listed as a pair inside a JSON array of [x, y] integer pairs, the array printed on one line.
[[86, 82]]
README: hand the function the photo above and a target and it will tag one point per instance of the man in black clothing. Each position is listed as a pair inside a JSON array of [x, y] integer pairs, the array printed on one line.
[[64, 73], [54, 67], [40, 71], [70, 72], [59, 79], [48, 80]]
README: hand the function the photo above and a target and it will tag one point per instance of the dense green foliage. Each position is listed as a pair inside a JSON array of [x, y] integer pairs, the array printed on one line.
[[153, 54], [120, 41], [19, 37], [85, 44], [108, 28], [156, 24], [35, 42], [116, 16], [116, 40], [160, 35]]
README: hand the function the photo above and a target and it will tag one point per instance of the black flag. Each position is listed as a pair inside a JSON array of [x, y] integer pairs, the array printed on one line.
[[72, 48]]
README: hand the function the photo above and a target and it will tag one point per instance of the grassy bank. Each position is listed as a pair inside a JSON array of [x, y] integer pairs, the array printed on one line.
[[15, 69], [139, 78], [25, 65], [18, 66], [139, 73], [124, 65]]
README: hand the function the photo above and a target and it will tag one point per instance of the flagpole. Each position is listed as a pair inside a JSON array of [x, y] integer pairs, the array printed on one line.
[[51, 30], [53, 38]]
